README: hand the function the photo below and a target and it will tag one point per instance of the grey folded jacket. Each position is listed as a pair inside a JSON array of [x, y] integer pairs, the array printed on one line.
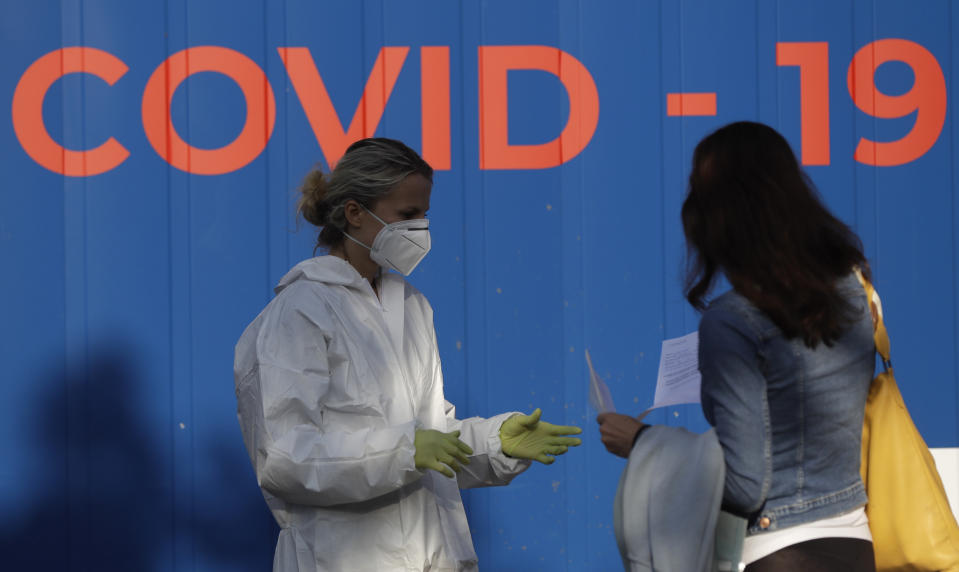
[[668, 501]]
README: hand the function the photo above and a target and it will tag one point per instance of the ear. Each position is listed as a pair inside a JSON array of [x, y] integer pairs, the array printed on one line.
[[353, 212]]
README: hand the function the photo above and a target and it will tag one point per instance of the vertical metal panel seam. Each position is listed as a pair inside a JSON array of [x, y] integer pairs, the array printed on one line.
[[484, 263], [477, 343], [682, 80], [286, 187], [286, 167], [474, 299], [681, 319], [481, 255], [663, 15], [68, 466], [386, 90], [267, 134], [287, 191], [875, 127], [779, 36], [75, 323], [85, 277], [181, 317], [190, 317], [363, 58], [463, 210], [563, 285], [573, 286], [758, 65], [855, 188], [171, 470], [662, 170], [85, 394], [267, 211], [955, 270], [852, 117], [855, 130], [581, 252], [855, 122]]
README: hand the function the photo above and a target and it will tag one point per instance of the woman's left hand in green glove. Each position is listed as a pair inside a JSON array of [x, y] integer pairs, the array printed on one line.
[[526, 437]]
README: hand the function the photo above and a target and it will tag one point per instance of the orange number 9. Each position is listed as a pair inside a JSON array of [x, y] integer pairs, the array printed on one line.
[[927, 97]]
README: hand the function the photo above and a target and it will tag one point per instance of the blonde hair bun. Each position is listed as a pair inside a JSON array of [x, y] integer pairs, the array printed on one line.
[[312, 205]]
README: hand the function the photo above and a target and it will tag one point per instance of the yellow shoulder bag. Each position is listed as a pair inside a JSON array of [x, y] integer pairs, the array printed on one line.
[[911, 523]]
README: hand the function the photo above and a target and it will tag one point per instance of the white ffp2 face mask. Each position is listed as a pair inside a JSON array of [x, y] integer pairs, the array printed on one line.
[[399, 245]]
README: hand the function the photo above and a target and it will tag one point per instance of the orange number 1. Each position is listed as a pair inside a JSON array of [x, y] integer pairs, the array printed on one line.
[[813, 61]]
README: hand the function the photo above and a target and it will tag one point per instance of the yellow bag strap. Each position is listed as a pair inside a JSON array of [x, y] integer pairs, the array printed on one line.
[[879, 333]]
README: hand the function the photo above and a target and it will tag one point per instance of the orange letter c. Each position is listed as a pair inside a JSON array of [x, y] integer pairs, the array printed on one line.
[[28, 111]]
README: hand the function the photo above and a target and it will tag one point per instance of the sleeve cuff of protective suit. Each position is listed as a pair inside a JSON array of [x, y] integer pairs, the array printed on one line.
[[503, 465], [303, 468], [407, 458]]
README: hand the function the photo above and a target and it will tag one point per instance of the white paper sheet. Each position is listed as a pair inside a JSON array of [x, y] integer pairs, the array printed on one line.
[[678, 380], [599, 397]]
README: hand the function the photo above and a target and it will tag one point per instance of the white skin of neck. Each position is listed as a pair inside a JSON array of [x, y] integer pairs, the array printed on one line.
[[407, 200]]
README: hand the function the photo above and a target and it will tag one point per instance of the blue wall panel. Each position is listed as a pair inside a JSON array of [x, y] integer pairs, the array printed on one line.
[[125, 291]]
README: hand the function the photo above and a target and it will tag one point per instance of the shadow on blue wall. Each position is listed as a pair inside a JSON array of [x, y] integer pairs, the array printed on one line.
[[102, 492]]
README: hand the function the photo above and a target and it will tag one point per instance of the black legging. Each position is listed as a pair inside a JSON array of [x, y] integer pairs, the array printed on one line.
[[820, 555]]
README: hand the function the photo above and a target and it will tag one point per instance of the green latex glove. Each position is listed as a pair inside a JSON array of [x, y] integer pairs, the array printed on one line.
[[526, 437], [440, 451]]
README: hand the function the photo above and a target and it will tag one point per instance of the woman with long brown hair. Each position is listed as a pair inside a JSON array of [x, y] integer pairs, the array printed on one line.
[[786, 356]]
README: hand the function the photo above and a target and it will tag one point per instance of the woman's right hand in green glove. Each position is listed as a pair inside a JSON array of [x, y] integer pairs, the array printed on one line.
[[440, 451]]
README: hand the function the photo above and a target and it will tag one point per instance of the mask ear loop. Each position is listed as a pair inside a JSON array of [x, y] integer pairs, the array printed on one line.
[[378, 219], [379, 271], [346, 234], [346, 254]]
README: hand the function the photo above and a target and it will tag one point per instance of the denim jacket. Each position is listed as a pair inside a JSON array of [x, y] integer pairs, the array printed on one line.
[[789, 418]]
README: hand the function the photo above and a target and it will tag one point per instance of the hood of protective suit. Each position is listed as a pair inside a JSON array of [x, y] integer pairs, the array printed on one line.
[[325, 269]]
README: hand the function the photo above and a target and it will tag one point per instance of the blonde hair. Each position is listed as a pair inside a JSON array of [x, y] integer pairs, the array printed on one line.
[[369, 169]]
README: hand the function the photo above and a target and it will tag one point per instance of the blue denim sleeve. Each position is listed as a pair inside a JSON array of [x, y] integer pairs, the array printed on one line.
[[733, 395]]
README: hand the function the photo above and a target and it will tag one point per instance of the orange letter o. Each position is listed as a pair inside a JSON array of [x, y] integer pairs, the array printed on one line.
[[260, 110]]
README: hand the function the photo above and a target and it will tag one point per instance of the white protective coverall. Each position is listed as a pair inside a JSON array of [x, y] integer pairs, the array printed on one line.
[[331, 383]]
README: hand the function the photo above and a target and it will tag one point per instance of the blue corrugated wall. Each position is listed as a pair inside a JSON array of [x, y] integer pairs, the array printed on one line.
[[124, 292]]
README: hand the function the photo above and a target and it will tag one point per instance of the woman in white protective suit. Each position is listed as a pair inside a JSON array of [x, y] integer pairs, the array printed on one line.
[[340, 392]]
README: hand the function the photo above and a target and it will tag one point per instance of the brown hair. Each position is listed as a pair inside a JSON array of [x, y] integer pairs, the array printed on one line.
[[752, 214]]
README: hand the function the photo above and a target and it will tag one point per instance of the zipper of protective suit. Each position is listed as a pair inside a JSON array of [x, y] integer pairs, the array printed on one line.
[[391, 312], [391, 308]]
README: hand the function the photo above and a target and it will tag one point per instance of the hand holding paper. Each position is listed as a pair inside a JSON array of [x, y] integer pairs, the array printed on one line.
[[678, 380], [599, 396], [618, 432]]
